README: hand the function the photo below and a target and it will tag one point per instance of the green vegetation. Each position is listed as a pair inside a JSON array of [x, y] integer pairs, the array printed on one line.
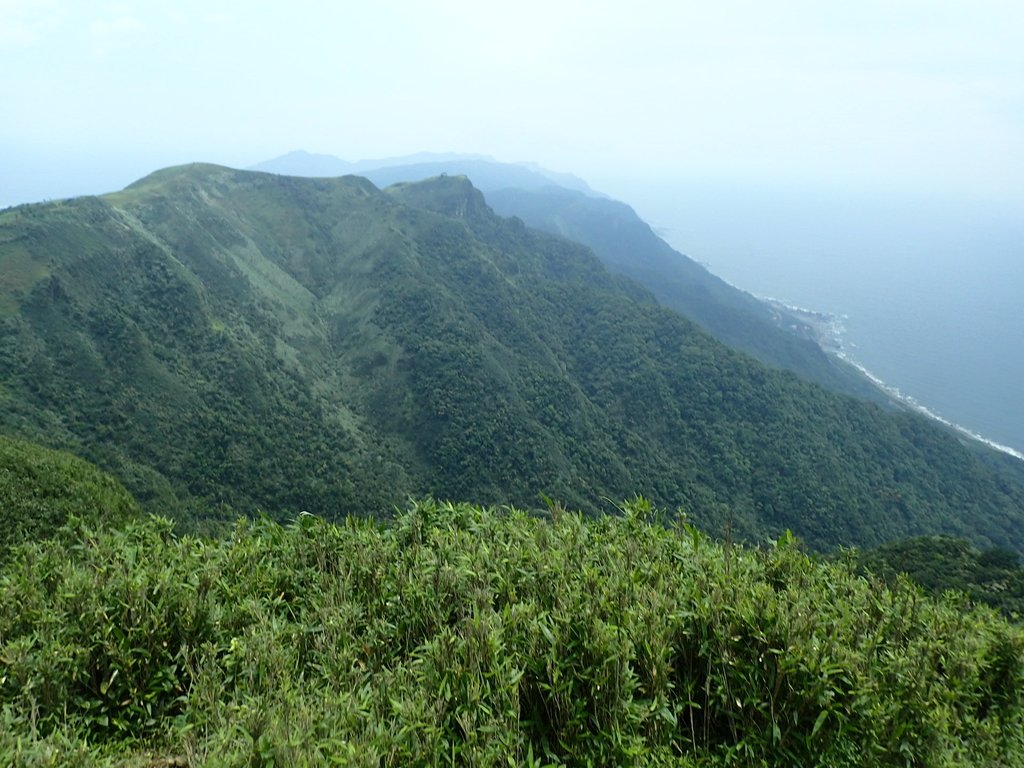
[[40, 489], [628, 246], [465, 636], [992, 576], [225, 342]]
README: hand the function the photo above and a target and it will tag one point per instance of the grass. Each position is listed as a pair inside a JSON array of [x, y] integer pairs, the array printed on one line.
[[460, 635]]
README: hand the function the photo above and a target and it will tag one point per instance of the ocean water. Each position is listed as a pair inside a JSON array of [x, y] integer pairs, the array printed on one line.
[[929, 294]]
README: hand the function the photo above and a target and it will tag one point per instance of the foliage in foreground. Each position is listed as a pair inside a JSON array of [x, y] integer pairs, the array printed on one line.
[[469, 636]]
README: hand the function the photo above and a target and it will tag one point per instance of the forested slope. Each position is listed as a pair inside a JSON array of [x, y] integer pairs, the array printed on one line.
[[628, 246], [223, 341], [565, 205], [993, 576], [41, 489]]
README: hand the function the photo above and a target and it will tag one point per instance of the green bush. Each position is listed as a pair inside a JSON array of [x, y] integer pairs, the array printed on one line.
[[41, 488], [469, 636]]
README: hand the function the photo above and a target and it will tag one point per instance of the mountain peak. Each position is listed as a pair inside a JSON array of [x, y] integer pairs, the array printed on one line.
[[453, 196], [302, 163], [178, 175]]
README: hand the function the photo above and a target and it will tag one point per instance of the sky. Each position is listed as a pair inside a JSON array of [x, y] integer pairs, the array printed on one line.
[[901, 96]]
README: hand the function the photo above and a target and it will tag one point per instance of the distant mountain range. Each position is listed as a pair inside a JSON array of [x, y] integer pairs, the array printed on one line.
[[486, 173], [227, 341]]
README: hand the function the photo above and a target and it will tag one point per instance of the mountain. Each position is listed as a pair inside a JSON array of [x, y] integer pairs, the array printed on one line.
[[564, 205], [300, 163], [628, 246], [485, 172], [224, 340]]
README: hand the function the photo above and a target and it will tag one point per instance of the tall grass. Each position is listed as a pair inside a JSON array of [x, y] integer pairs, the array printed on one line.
[[466, 636]]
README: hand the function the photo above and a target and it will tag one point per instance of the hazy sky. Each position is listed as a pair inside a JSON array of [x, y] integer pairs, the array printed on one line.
[[901, 95]]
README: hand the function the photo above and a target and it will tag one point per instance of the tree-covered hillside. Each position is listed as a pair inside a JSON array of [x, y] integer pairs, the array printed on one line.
[[41, 489], [563, 204], [628, 246], [993, 576], [477, 637], [223, 341]]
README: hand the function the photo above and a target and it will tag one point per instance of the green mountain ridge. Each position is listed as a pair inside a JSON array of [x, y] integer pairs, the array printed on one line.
[[628, 246], [223, 341], [565, 205]]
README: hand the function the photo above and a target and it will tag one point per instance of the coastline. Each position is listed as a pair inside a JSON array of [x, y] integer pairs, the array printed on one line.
[[827, 331]]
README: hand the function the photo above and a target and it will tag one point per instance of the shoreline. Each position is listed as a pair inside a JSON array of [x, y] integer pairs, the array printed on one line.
[[827, 331]]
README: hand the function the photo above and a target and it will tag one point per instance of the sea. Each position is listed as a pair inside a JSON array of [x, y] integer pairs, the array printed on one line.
[[925, 295]]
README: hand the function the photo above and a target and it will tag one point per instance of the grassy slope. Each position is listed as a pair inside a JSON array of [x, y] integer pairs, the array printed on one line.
[[225, 340]]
